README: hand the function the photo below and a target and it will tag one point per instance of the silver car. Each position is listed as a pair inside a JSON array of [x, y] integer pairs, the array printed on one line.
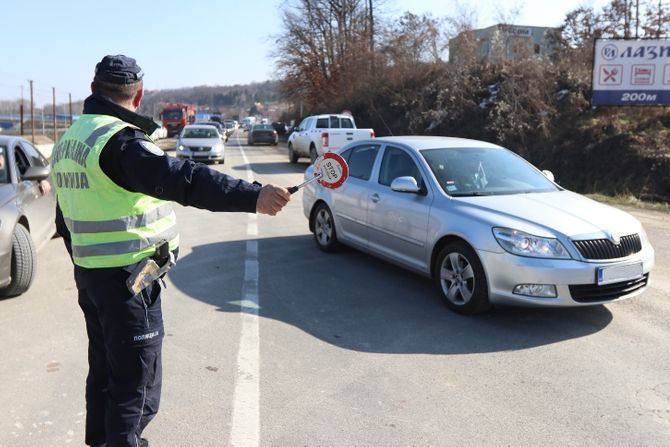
[[201, 142], [27, 212], [486, 225]]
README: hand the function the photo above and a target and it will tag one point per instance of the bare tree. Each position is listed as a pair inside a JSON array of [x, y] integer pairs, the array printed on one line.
[[324, 52], [656, 19]]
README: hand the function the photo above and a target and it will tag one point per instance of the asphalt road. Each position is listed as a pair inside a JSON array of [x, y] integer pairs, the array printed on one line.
[[272, 343]]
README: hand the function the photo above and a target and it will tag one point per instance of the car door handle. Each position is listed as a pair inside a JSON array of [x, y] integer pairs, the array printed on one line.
[[375, 197]]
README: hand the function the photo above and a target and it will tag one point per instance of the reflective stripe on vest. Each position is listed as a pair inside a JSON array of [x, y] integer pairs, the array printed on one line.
[[122, 224], [109, 226]]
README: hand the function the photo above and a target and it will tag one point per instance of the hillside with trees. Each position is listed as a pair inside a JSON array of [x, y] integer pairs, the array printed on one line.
[[394, 76], [249, 99]]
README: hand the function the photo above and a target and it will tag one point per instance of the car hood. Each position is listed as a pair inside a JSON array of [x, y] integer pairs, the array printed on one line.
[[551, 214], [200, 141]]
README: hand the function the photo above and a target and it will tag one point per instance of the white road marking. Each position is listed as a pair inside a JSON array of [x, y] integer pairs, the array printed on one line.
[[245, 430]]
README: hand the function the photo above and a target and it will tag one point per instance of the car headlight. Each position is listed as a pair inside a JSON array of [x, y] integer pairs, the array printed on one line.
[[524, 244], [180, 147], [644, 240]]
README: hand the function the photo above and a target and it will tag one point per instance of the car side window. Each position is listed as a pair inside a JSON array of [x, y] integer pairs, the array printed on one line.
[[346, 123], [35, 156], [397, 163], [322, 123], [334, 122], [22, 163], [361, 160]]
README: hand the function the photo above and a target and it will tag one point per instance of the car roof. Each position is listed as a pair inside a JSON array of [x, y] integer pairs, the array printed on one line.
[[420, 142], [6, 139], [327, 115], [199, 126]]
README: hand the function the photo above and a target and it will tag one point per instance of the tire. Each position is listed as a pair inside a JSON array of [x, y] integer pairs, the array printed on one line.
[[323, 224], [292, 156], [312, 154], [460, 277], [24, 262]]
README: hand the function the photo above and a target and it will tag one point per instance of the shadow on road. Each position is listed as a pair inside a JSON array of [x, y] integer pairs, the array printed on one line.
[[357, 302]]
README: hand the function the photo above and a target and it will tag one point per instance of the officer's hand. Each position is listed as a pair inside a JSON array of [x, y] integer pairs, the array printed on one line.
[[45, 187], [272, 199]]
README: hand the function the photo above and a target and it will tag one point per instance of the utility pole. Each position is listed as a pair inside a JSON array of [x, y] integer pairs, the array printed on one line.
[[660, 18], [53, 91], [21, 112], [32, 113], [637, 18], [372, 38]]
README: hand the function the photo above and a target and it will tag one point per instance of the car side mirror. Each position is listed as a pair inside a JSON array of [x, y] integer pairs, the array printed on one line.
[[549, 175], [36, 173], [405, 184]]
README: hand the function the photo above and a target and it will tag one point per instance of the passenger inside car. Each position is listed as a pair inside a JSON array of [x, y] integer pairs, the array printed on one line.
[[3, 167], [397, 163]]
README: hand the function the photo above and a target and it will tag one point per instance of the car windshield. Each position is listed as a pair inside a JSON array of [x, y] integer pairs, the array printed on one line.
[[201, 132], [173, 114], [484, 171], [263, 127]]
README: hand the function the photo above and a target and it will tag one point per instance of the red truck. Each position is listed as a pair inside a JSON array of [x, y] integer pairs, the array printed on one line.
[[176, 115]]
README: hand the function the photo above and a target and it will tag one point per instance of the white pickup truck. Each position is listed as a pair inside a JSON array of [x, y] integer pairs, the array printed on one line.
[[323, 133]]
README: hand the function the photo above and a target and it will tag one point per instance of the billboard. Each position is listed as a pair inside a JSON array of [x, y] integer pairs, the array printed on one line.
[[631, 72]]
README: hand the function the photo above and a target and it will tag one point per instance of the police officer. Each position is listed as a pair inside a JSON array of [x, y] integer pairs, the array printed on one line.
[[114, 188]]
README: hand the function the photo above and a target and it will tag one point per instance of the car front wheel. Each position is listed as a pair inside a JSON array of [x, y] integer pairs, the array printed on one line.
[[292, 156], [325, 234], [460, 277], [24, 260]]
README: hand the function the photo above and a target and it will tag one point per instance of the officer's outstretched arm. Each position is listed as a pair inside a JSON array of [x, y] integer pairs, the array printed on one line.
[[272, 199]]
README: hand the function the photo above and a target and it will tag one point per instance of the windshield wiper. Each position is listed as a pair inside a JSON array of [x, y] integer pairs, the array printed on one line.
[[471, 194]]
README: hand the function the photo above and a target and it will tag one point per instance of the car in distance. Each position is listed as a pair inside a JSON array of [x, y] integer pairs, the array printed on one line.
[[201, 142], [485, 224], [230, 127], [318, 134], [160, 132], [262, 133], [219, 126], [27, 213]]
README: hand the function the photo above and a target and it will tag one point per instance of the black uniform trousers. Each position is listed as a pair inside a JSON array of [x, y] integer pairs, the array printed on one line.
[[125, 334]]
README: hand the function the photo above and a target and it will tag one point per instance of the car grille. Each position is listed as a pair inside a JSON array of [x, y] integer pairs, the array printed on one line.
[[605, 249], [200, 149], [589, 293]]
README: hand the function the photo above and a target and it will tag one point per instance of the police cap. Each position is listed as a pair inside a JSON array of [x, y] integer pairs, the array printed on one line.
[[118, 69]]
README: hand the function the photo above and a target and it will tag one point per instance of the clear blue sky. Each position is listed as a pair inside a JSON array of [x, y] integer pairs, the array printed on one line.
[[180, 44]]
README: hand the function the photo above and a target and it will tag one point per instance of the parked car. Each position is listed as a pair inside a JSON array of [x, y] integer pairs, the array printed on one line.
[[27, 212], [201, 142], [486, 225], [262, 133], [318, 134]]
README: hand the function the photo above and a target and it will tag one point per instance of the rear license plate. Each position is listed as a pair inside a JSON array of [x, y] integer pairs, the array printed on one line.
[[618, 273]]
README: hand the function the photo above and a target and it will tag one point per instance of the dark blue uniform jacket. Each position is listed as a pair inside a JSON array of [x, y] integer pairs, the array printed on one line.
[[132, 167]]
